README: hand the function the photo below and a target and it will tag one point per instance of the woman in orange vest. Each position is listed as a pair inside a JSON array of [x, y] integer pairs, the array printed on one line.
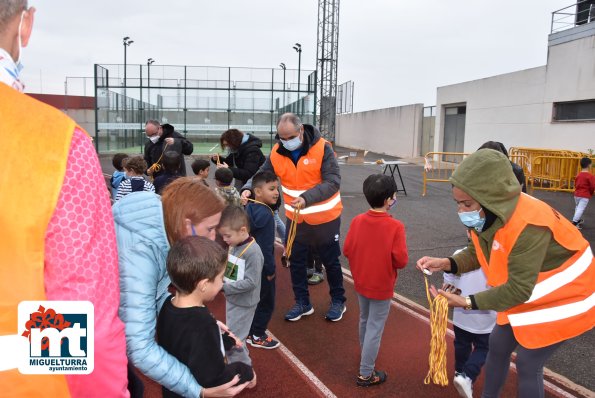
[[540, 267]]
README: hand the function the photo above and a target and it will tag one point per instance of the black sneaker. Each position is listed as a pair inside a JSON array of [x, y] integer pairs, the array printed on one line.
[[377, 377], [266, 342]]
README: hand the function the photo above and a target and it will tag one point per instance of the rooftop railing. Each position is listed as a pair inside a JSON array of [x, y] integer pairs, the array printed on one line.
[[571, 16]]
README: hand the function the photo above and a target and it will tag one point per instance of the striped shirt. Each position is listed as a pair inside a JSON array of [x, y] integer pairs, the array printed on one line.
[[126, 187]]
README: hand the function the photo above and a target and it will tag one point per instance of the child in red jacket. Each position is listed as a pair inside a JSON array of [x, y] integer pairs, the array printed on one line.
[[584, 186], [376, 248]]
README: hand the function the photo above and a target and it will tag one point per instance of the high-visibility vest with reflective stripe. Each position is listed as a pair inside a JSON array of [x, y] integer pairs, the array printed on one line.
[[297, 179], [562, 304], [35, 148]]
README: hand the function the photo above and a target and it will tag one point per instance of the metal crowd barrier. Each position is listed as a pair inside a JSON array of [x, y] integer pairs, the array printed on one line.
[[545, 169], [439, 166], [555, 173]]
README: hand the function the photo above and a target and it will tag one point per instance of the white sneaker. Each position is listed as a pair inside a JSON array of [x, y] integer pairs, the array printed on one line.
[[463, 385]]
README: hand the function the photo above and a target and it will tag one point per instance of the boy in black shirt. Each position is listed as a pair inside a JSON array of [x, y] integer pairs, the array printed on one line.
[[262, 227], [185, 327]]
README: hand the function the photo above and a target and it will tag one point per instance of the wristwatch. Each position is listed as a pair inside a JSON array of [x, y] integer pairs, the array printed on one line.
[[469, 305]]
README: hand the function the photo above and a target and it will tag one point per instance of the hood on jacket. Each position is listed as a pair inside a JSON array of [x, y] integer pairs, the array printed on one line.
[[311, 137], [141, 215], [252, 141], [487, 177]]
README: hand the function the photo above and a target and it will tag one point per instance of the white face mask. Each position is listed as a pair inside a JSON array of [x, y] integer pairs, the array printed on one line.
[[292, 144], [154, 138], [18, 61]]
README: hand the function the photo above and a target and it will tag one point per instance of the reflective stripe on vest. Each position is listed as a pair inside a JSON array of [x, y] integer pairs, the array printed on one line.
[[324, 206], [42, 135], [562, 304], [298, 178]]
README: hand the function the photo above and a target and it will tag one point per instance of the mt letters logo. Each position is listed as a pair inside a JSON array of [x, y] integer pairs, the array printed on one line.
[[61, 337]]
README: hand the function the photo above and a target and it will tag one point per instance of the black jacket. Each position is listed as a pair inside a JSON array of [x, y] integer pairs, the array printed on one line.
[[520, 175], [246, 161], [181, 145]]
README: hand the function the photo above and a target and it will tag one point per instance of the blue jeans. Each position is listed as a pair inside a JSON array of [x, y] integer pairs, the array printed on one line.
[[329, 253], [471, 351]]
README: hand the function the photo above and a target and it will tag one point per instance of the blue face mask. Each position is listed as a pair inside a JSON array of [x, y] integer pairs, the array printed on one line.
[[472, 219], [292, 144], [193, 230]]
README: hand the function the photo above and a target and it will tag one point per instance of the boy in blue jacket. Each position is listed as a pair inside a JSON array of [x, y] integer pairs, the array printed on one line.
[[262, 228]]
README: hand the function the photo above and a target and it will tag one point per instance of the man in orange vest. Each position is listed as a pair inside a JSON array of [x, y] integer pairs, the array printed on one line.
[[58, 240], [540, 267], [310, 180]]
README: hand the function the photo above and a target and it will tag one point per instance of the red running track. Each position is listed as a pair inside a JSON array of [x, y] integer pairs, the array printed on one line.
[[330, 352]]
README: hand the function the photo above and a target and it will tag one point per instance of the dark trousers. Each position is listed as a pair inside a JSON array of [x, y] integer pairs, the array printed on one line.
[[471, 351], [135, 384], [265, 307], [329, 253], [529, 364]]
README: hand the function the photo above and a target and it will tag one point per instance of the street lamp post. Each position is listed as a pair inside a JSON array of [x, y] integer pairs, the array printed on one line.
[[298, 48], [282, 65], [126, 41]]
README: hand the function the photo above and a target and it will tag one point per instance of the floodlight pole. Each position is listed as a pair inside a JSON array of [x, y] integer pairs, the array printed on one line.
[[149, 63], [282, 65], [298, 48], [126, 41]]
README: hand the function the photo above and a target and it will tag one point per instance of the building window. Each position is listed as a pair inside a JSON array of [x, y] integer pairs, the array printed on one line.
[[574, 111]]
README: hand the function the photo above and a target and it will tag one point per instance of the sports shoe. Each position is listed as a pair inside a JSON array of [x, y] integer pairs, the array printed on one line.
[[316, 278], [464, 385], [377, 377], [265, 342], [336, 311], [297, 311]]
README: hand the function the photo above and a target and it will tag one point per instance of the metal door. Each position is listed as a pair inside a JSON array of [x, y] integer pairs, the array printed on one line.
[[454, 128]]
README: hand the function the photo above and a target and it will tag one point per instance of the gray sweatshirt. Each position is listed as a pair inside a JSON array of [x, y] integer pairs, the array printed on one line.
[[246, 292]]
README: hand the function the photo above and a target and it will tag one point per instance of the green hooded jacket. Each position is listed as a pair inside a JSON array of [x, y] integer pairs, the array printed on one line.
[[487, 177]]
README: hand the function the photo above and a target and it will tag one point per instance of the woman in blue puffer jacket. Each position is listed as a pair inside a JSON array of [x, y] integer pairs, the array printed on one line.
[[146, 225]]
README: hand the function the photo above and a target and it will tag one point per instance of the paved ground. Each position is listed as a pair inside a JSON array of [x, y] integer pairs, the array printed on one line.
[[433, 229]]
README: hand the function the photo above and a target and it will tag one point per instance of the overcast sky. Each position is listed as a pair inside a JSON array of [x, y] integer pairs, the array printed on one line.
[[396, 52]]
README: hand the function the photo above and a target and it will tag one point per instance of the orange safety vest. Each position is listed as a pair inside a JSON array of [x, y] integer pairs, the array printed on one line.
[[297, 179], [35, 140], [562, 304]]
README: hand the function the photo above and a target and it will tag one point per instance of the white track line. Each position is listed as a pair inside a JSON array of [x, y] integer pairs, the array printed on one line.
[[304, 369], [211, 150], [396, 297]]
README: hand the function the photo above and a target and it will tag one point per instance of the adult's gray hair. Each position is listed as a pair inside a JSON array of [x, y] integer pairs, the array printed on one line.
[[290, 118], [8, 9], [150, 121]]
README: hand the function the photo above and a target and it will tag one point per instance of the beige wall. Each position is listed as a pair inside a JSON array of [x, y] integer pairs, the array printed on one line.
[[391, 131]]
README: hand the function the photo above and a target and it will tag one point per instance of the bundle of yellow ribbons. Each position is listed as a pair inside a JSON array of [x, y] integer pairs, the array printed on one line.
[[438, 323]]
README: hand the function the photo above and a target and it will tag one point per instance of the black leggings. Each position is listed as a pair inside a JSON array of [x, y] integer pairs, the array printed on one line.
[[529, 364]]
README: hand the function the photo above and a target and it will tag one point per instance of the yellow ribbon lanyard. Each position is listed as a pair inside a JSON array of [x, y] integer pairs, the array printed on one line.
[[292, 232], [437, 373], [218, 161], [156, 167], [240, 256], [262, 203]]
